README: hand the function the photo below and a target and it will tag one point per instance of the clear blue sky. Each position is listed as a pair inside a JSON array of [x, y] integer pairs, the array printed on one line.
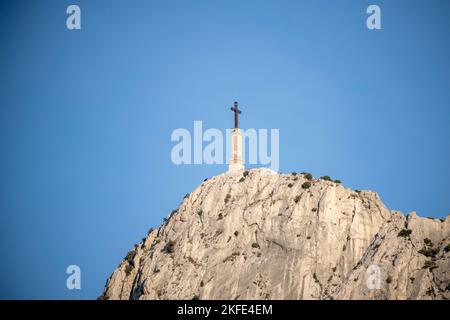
[[86, 116]]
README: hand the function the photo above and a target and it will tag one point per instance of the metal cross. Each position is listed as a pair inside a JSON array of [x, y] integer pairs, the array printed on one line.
[[236, 111]]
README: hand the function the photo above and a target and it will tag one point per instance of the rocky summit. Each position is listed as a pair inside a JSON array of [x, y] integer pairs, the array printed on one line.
[[262, 235]]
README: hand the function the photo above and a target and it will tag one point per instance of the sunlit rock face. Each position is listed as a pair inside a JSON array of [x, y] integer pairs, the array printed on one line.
[[262, 235]]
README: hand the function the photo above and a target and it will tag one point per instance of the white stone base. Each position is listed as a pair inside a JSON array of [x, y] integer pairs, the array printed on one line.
[[236, 163], [235, 167]]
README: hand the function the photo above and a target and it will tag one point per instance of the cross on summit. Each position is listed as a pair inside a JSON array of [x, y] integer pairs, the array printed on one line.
[[236, 111]]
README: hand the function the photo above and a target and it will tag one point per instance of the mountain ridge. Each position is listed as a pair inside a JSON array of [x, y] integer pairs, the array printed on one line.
[[258, 234]]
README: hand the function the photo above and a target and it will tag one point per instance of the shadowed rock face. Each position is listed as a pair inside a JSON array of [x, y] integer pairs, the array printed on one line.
[[264, 236]]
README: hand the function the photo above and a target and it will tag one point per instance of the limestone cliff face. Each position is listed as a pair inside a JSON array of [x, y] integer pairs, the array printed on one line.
[[263, 235]]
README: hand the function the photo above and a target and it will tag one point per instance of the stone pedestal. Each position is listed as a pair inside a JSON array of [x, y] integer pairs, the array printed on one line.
[[236, 163]]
